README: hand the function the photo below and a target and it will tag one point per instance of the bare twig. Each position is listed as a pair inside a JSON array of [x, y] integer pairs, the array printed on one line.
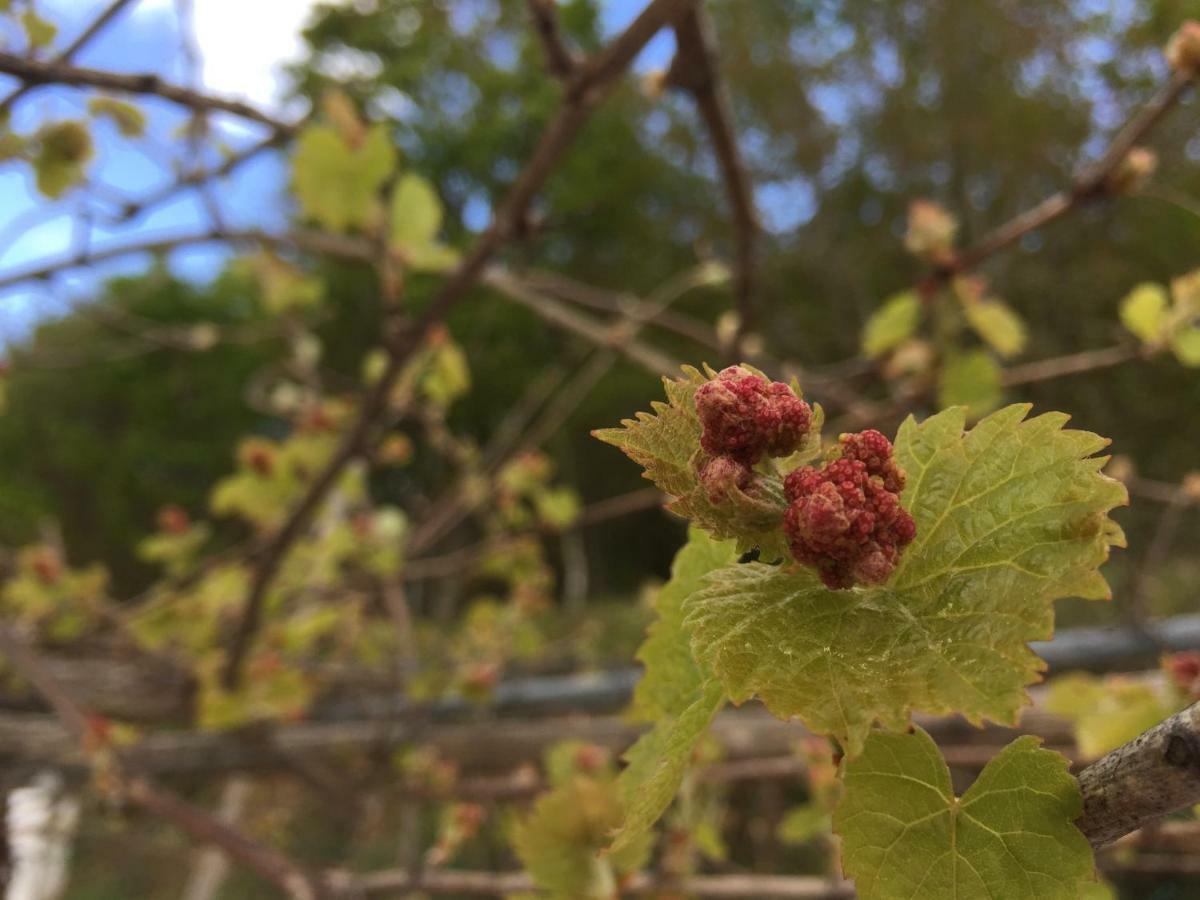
[[694, 69], [1071, 364], [559, 59], [614, 337], [596, 298], [1090, 184], [97, 25], [36, 73]]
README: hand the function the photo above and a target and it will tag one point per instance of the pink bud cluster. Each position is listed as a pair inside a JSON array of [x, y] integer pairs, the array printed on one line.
[[746, 417], [845, 518]]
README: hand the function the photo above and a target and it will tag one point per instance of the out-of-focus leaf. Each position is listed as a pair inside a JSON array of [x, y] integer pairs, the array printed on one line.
[[971, 379], [1144, 312], [336, 183], [891, 324], [998, 325]]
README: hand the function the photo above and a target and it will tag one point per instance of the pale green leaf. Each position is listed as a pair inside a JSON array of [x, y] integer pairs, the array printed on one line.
[[970, 379], [1011, 836], [1107, 713], [665, 443], [416, 212], [891, 324], [63, 152], [675, 693], [336, 183], [447, 374], [672, 678], [39, 32], [559, 842], [1144, 312], [1098, 890], [129, 119], [658, 762], [803, 823], [998, 325], [1185, 344], [1010, 517]]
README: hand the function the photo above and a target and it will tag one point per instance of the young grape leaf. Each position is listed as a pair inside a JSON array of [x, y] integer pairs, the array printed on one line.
[[416, 220], [970, 379], [1009, 837], [665, 444], [129, 119], [658, 762], [676, 693], [1108, 712], [337, 183], [1144, 312], [673, 678], [560, 839], [1011, 516], [997, 324], [891, 324]]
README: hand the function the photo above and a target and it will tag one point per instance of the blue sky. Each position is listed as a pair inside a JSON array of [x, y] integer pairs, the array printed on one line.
[[241, 60]]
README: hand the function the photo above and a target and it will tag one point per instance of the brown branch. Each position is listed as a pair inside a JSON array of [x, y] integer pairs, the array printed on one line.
[[580, 294], [590, 86], [497, 884], [1071, 364], [695, 70], [135, 208], [451, 508], [37, 73], [559, 59], [1155, 774], [1091, 183], [97, 25], [614, 336]]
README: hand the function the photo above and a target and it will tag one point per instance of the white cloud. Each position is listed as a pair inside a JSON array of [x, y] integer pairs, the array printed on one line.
[[244, 43]]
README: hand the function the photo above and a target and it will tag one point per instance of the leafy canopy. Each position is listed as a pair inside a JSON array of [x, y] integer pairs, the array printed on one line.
[[1009, 837]]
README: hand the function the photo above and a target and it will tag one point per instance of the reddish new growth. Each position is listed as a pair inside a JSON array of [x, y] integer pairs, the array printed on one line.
[[1184, 671], [745, 417], [845, 519]]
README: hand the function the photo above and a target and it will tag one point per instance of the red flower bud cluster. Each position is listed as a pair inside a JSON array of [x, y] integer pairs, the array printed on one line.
[[745, 417], [845, 518], [1184, 671]]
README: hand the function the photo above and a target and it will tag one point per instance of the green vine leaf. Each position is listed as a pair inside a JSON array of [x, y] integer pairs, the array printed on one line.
[[658, 762], [337, 182], [673, 677], [998, 325], [560, 839], [971, 379], [892, 324], [679, 695], [1009, 837], [1011, 516], [665, 444], [1145, 312]]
